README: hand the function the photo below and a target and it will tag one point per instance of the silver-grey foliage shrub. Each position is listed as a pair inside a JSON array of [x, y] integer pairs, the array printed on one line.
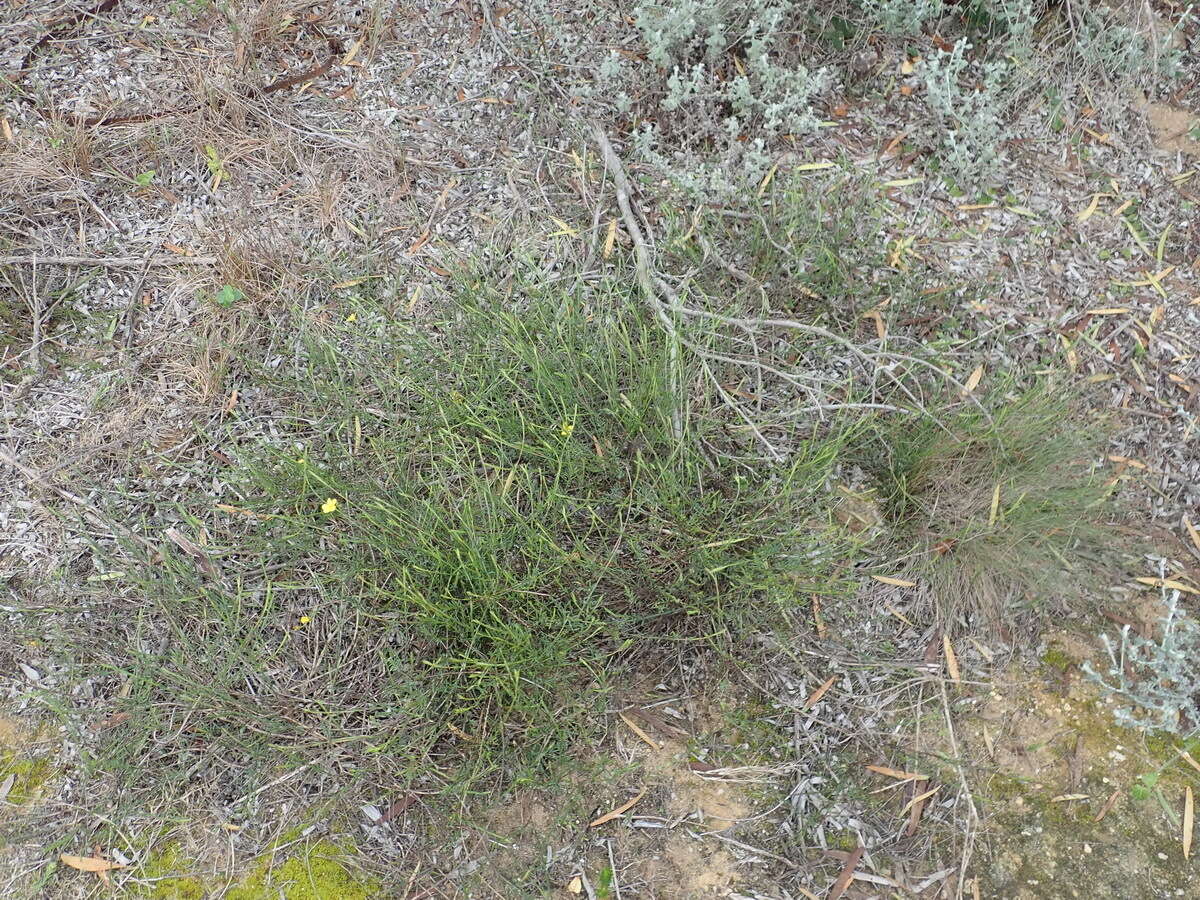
[[717, 126], [1159, 680], [969, 103], [901, 18]]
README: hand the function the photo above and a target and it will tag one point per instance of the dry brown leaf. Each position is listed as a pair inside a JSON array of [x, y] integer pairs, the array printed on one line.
[[89, 863], [895, 582], [951, 659], [575, 885], [816, 695], [817, 623], [897, 773], [914, 815], [1188, 820], [610, 239], [920, 798], [1084, 215], [619, 811], [847, 874], [420, 242], [654, 745], [1192, 532], [1108, 805], [191, 549], [397, 807], [983, 651], [1169, 584], [880, 327], [352, 52], [973, 381]]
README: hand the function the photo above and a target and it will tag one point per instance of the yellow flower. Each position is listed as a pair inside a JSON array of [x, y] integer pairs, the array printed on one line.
[[329, 506], [353, 317], [301, 461], [567, 429], [304, 620]]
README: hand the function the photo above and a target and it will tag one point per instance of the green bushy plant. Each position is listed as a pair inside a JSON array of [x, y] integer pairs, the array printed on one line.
[[903, 17], [460, 529]]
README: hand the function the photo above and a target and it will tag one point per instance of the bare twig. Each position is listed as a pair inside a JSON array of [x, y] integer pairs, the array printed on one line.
[[110, 262], [641, 255], [972, 812], [9, 459]]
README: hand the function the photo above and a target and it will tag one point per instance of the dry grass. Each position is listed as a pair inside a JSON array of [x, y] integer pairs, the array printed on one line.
[[997, 510]]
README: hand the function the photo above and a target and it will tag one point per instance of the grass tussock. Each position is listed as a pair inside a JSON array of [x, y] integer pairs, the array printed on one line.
[[462, 536], [994, 506]]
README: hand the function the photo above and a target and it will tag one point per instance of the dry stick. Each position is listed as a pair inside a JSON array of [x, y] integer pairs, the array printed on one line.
[[131, 312], [34, 477], [111, 262], [642, 267], [646, 282], [973, 813]]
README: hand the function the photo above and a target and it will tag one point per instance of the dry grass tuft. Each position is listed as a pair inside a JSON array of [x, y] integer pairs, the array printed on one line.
[[994, 510]]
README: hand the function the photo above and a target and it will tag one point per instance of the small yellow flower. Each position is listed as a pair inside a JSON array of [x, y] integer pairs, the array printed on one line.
[[304, 620], [329, 506], [567, 429], [353, 317], [301, 461]]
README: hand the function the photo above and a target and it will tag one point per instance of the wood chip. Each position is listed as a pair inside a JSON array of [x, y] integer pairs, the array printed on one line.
[[1187, 758]]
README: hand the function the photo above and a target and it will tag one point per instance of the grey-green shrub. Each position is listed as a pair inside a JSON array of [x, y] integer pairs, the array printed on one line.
[[901, 18], [969, 112], [1159, 680], [702, 147]]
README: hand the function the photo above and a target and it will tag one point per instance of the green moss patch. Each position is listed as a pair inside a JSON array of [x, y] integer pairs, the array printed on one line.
[[318, 874], [31, 775]]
